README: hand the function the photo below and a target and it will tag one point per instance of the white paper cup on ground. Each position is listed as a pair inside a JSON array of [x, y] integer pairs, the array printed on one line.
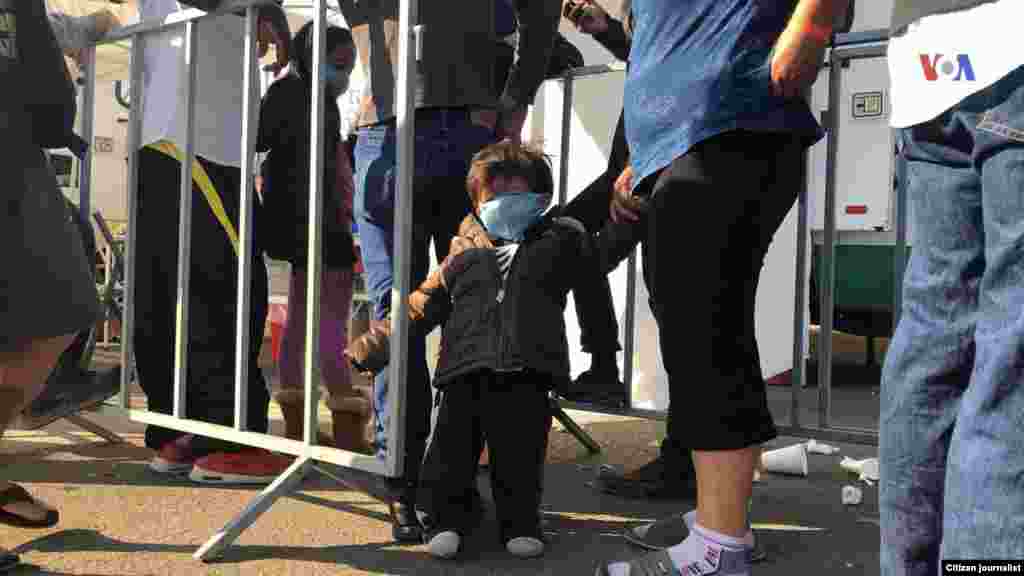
[[869, 469], [789, 460], [815, 447]]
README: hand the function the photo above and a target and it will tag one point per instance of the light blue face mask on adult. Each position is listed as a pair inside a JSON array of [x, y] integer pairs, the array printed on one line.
[[509, 216]]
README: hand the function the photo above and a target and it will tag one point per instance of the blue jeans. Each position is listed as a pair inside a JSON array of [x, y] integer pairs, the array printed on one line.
[[951, 444], [446, 140]]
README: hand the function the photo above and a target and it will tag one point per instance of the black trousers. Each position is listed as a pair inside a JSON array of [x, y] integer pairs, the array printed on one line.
[[616, 241], [591, 208], [714, 212], [213, 289], [510, 412]]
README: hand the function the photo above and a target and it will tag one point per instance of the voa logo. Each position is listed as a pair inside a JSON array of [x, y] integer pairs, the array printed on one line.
[[947, 67]]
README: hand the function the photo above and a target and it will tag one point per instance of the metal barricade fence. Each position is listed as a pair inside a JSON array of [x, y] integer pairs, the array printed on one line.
[[846, 47], [306, 452]]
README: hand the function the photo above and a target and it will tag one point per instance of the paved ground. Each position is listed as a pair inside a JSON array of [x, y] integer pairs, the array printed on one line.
[[120, 520]]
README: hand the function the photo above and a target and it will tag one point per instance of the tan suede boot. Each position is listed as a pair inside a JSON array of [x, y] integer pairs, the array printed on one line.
[[293, 423], [293, 414], [349, 416]]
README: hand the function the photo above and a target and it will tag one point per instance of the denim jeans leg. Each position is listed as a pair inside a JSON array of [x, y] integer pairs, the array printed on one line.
[[984, 515], [930, 357], [373, 206]]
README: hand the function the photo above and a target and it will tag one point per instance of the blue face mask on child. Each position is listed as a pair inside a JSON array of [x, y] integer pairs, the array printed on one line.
[[509, 216]]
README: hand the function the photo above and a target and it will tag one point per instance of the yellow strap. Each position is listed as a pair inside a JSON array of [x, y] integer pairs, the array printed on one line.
[[201, 179]]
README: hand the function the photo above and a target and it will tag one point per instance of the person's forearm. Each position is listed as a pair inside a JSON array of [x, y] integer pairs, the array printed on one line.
[[615, 39], [538, 22], [820, 15]]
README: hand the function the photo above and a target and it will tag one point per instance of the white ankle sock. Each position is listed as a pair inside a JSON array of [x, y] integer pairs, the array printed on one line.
[[691, 518]]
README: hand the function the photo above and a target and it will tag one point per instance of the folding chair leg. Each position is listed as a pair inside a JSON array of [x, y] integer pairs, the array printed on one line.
[[579, 433], [90, 426]]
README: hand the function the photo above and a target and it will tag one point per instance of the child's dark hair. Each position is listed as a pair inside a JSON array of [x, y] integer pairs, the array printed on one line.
[[510, 160]]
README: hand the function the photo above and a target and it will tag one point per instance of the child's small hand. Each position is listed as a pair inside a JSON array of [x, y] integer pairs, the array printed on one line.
[[625, 207]]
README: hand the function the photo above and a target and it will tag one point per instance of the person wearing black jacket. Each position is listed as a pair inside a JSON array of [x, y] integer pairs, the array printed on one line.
[[47, 294], [503, 348], [284, 132], [457, 114]]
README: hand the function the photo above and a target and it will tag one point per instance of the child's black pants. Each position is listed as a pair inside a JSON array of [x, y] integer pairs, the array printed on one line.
[[508, 410]]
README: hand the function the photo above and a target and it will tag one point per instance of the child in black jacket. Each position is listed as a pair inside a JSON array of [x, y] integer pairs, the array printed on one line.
[[504, 347]]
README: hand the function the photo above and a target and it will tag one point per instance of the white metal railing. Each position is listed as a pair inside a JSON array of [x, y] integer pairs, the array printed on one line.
[[305, 451]]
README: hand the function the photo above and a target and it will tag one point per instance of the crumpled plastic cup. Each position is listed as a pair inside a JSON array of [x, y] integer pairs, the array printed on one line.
[[852, 495], [866, 469]]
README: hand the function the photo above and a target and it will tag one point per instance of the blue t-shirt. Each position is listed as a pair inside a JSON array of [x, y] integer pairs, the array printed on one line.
[[702, 67]]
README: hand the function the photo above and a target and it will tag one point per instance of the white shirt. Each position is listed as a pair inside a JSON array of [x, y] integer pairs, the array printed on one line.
[[986, 37], [219, 81]]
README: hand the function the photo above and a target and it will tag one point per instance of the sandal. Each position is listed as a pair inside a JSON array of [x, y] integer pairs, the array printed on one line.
[[17, 494], [8, 561]]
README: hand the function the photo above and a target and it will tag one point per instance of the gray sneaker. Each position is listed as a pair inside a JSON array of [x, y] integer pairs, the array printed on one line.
[[672, 530]]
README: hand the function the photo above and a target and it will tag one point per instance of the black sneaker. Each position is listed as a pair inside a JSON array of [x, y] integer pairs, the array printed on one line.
[[672, 530], [654, 480], [405, 527], [598, 387]]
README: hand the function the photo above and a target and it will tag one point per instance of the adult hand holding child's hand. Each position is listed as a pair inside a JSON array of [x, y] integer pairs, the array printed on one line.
[[625, 207]]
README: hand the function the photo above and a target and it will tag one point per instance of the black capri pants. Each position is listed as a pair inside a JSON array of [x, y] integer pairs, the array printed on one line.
[[713, 215]]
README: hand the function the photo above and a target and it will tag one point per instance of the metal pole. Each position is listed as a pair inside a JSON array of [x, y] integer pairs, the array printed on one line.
[[242, 319], [108, 263], [88, 129], [799, 301], [563, 161], [134, 143], [185, 227], [900, 256], [406, 125], [314, 260], [828, 249], [629, 339]]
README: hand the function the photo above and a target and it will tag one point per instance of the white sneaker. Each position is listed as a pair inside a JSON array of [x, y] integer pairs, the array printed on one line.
[[444, 544], [525, 547]]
